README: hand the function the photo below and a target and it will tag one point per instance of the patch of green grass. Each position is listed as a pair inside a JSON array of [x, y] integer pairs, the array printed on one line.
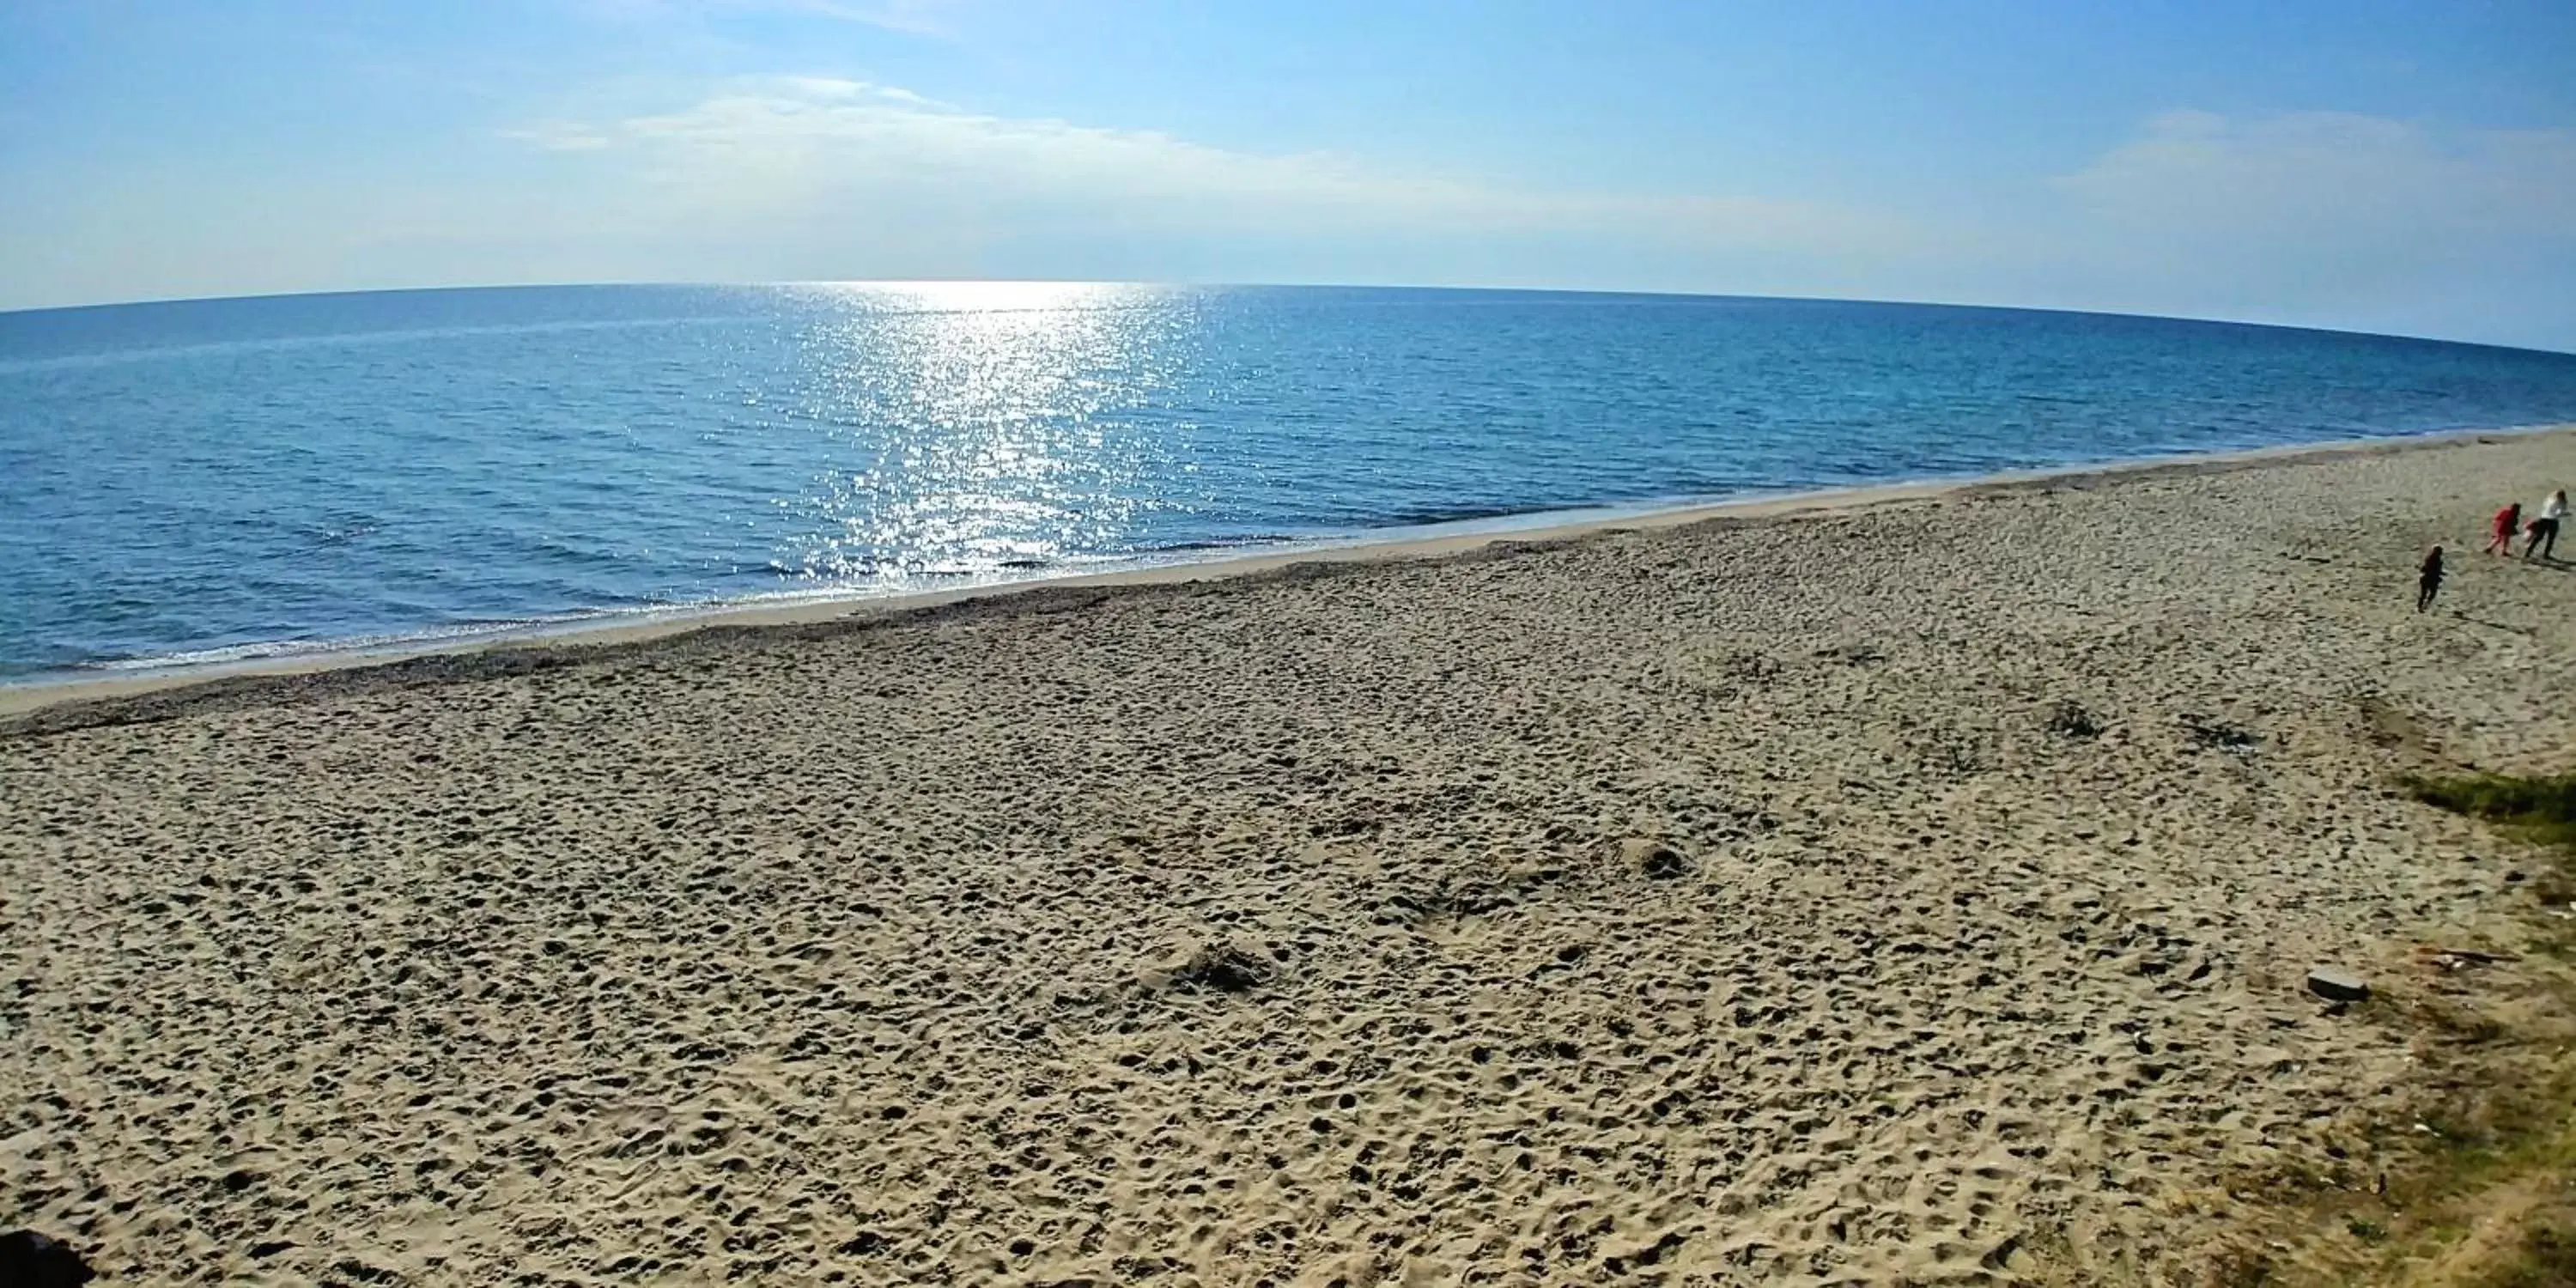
[[2546, 1259], [2542, 807], [2510, 1131]]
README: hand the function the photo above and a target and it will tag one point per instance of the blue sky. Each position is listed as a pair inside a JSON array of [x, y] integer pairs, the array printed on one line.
[[2406, 168]]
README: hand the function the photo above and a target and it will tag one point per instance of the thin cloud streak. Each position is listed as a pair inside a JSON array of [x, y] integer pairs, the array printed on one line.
[[784, 146], [931, 18], [2338, 175]]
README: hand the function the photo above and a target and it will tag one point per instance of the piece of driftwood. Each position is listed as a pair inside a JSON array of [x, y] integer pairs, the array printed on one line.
[[2468, 956]]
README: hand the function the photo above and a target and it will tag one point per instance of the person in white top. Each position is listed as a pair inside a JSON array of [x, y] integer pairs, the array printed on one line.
[[2541, 538]]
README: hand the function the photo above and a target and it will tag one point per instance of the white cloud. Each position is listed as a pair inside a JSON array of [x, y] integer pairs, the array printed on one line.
[[2346, 177], [2318, 218], [935, 18], [873, 163], [559, 136]]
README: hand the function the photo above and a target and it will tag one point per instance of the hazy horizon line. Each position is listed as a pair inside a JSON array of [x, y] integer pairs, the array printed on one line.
[[717, 284]]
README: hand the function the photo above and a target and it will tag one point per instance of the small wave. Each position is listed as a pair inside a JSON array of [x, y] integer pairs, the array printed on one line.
[[1228, 543], [1468, 514], [274, 650]]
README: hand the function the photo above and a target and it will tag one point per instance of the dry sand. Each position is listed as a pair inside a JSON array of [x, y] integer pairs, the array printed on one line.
[[1723, 903]]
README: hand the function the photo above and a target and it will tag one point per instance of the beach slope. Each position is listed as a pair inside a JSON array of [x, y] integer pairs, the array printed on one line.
[[1919, 892]]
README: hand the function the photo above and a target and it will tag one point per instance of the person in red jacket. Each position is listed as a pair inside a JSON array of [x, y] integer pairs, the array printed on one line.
[[2508, 521]]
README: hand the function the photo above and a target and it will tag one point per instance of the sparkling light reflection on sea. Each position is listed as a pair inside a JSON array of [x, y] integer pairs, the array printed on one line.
[[980, 425], [226, 477]]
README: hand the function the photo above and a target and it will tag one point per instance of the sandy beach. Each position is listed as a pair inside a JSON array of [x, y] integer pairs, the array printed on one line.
[[1914, 889]]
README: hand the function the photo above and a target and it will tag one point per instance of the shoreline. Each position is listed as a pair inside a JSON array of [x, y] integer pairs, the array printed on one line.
[[20, 699]]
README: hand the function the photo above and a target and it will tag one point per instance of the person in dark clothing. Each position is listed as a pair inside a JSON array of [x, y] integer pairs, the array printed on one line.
[[2430, 583]]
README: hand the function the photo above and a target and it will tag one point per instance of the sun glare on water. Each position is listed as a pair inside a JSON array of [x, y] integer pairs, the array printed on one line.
[[985, 296], [986, 424]]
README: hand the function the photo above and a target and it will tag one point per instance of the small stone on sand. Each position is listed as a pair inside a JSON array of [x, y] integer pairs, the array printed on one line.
[[1654, 858], [2337, 985]]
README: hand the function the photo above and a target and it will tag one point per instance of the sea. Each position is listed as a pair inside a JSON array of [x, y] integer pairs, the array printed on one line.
[[211, 481]]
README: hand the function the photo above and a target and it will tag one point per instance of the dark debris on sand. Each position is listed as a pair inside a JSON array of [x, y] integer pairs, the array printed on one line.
[[32, 1260]]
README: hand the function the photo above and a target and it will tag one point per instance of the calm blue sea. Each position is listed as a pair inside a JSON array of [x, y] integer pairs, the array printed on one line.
[[203, 480]]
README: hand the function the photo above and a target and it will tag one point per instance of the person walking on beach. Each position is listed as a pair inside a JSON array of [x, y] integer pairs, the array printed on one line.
[[2508, 525], [2542, 537], [2430, 583]]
